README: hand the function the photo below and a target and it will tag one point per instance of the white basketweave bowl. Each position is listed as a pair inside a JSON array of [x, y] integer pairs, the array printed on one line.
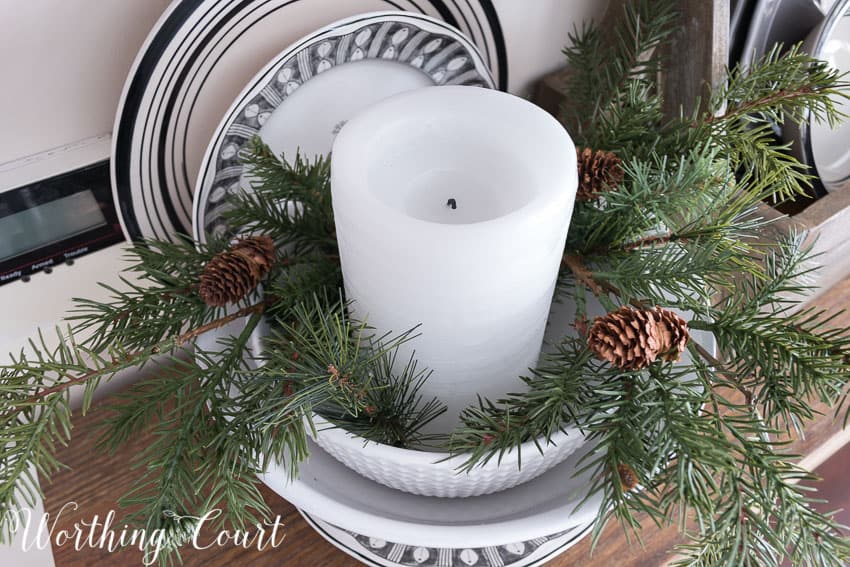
[[431, 474], [422, 473]]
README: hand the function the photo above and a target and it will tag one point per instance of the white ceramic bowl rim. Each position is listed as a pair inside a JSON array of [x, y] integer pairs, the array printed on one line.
[[341, 436]]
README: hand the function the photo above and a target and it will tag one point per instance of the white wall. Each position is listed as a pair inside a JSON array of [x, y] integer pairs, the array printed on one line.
[[63, 62], [62, 68], [536, 32]]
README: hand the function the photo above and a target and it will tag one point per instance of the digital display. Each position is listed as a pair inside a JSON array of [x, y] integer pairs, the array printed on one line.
[[48, 223], [55, 220]]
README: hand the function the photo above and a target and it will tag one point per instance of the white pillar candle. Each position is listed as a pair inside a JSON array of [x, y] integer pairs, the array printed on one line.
[[452, 206]]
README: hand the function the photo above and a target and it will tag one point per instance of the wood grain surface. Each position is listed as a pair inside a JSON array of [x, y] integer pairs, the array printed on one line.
[[96, 481], [696, 57]]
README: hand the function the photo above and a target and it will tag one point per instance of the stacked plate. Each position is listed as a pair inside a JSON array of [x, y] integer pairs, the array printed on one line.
[[376, 551], [518, 527], [189, 75], [824, 147], [202, 53]]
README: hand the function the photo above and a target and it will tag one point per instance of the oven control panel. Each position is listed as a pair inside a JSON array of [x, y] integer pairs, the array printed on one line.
[[56, 220]]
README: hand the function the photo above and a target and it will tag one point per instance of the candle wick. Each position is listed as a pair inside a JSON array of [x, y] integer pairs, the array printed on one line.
[[451, 203]]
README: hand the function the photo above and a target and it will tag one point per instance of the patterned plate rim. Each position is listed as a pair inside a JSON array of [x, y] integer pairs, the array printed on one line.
[[268, 89], [445, 555]]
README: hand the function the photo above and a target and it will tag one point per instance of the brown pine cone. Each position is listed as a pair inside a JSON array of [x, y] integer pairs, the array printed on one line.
[[598, 172], [628, 338], [231, 275], [632, 339], [260, 249]]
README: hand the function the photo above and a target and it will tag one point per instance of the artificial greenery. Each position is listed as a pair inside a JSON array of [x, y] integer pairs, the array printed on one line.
[[702, 443]]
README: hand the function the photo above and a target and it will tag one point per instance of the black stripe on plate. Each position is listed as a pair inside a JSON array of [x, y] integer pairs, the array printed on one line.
[[182, 172], [499, 40], [129, 113], [167, 111]]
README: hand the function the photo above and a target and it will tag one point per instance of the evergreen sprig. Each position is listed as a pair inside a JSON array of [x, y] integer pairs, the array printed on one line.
[[217, 417], [624, 61], [707, 438], [292, 203]]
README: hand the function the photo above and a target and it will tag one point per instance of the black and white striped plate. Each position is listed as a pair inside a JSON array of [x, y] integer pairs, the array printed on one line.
[[301, 99], [197, 59]]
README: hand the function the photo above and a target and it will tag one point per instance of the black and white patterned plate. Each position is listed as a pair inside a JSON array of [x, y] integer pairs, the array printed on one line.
[[300, 100], [381, 553], [198, 57]]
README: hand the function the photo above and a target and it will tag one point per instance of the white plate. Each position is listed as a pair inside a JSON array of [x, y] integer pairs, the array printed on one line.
[[778, 21], [195, 61], [301, 99], [377, 552], [536, 509]]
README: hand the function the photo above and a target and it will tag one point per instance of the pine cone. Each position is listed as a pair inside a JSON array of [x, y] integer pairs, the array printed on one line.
[[632, 339], [231, 275], [260, 250], [597, 172], [627, 338]]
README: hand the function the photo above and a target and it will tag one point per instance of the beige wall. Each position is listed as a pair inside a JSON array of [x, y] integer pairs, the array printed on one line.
[[536, 32], [62, 68]]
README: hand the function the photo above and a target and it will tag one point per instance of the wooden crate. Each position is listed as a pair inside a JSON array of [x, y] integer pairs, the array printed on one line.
[[697, 60], [697, 57], [826, 225]]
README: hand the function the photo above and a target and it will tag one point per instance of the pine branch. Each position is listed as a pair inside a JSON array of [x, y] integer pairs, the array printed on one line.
[[130, 360], [290, 200], [633, 54], [725, 464], [790, 86], [394, 413], [181, 448], [779, 86], [159, 304], [691, 196], [556, 391]]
